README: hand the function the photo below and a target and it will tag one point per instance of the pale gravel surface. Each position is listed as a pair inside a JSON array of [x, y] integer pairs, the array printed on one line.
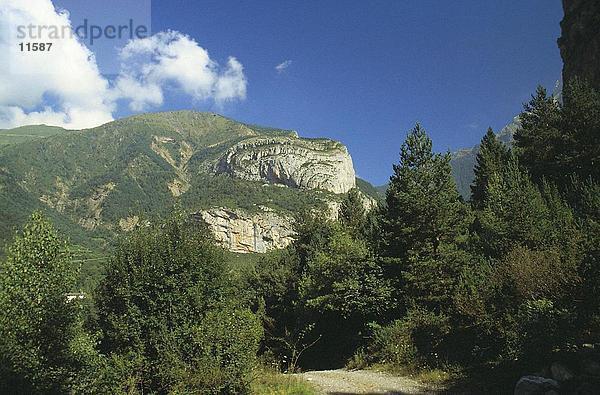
[[338, 382]]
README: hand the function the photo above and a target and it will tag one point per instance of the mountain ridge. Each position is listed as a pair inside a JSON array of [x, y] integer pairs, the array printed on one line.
[[111, 178]]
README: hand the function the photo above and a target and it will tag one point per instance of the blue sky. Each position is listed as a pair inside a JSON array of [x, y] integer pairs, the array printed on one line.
[[363, 72]]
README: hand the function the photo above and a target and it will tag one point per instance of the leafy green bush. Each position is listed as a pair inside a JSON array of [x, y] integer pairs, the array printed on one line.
[[416, 339], [542, 329], [223, 352], [42, 344], [167, 315]]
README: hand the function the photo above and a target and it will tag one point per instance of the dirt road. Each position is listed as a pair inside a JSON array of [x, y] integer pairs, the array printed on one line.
[[338, 382]]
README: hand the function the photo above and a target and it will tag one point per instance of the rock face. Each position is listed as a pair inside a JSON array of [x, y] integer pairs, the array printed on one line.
[[241, 232], [580, 40], [294, 162]]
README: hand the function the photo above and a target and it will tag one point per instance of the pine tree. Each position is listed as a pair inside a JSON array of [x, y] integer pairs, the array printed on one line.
[[556, 142], [425, 222], [538, 141], [491, 157], [580, 145], [352, 212], [517, 212]]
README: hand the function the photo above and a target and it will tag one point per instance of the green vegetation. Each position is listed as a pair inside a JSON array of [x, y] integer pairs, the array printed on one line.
[[165, 304], [43, 347], [28, 133], [270, 382], [489, 160], [469, 295], [92, 184], [475, 295]]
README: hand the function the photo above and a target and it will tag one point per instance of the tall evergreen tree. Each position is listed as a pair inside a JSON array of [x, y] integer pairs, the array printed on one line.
[[580, 146], [352, 212], [491, 157], [539, 139], [424, 222], [558, 141], [517, 212]]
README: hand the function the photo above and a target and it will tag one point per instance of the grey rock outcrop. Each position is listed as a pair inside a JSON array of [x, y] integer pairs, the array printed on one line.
[[534, 385], [242, 232], [294, 162], [580, 40]]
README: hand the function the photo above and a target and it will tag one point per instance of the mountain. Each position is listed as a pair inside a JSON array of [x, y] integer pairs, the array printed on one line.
[[28, 133], [247, 182]]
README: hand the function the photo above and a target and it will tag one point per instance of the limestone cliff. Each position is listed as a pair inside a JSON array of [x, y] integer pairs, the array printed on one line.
[[294, 162], [580, 40], [242, 232]]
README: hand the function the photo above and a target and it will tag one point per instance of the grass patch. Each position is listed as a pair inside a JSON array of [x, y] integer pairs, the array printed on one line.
[[269, 382], [430, 377]]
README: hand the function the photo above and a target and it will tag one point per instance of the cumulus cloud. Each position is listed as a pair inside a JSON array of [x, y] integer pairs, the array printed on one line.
[[282, 66], [70, 76], [174, 59], [65, 87]]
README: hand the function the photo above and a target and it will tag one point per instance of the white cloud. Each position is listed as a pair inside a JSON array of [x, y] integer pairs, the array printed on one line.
[[282, 66], [69, 75], [173, 59], [64, 86]]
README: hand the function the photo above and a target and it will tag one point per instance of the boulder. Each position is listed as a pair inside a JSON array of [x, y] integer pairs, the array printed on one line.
[[535, 385]]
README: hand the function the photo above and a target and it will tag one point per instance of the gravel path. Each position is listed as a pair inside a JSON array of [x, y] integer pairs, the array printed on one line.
[[340, 382]]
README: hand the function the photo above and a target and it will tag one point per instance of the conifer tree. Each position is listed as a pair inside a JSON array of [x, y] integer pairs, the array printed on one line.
[[516, 212], [491, 157], [424, 222], [538, 141], [580, 145], [352, 212]]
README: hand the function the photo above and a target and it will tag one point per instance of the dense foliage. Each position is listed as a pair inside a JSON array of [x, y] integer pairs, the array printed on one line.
[[165, 303], [42, 344], [510, 278]]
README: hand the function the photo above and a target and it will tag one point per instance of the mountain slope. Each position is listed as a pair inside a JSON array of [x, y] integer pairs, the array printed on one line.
[[114, 177], [28, 133]]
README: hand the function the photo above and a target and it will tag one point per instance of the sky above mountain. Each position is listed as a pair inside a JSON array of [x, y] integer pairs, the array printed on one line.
[[356, 71]]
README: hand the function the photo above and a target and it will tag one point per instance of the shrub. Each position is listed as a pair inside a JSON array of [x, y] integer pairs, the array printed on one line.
[[416, 339], [168, 320], [224, 351], [537, 274], [541, 329]]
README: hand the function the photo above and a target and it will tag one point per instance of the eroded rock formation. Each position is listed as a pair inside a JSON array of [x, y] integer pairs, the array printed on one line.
[[242, 232], [298, 163]]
